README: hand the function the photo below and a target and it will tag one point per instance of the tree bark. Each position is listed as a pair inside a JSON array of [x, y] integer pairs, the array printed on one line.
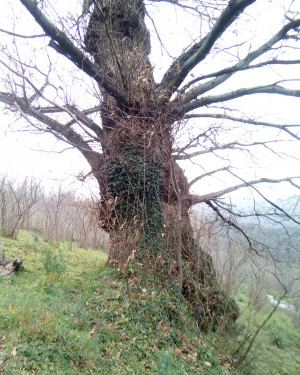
[[141, 187]]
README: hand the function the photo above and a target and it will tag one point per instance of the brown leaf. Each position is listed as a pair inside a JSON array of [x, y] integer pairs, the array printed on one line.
[[93, 330], [226, 361], [178, 350], [14, 351]]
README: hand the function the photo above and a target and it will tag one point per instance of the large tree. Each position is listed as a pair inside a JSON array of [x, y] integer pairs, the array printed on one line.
[[138, 130]]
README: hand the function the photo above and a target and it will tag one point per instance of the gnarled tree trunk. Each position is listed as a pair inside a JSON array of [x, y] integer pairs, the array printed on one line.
[[141, 187]]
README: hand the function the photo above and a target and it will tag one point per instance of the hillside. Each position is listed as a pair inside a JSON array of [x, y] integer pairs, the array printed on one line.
[[67, 314]]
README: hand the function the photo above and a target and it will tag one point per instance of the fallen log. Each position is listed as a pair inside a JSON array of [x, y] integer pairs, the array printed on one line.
[[9, 265]]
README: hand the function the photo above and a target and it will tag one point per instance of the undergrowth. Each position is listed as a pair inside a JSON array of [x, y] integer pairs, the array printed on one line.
[[67, 314]]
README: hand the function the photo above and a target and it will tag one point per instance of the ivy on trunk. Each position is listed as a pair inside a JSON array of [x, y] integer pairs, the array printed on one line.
[[142, 187]]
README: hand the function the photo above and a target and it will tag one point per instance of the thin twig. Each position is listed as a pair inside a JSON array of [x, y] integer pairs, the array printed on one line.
[[244, 355], [3, 253]]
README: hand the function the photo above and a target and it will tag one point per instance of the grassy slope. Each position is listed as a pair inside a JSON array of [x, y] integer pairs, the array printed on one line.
[[79, 319], [277, 348]]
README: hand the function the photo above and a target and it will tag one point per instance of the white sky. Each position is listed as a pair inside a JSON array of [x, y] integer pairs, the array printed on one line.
[[20, 153]]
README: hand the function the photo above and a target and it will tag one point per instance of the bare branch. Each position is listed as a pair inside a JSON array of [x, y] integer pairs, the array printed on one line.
[[246, 121], [268, 89], [55, 109], [177, 72], [258, 330], [81, 116], [196, 179], [61, 131], [203, 198], [227, 207], [176, 2], [231, 145], [288, 179], [233, 69], [62, 44], [22, 36], [230, 222], [243, 64]]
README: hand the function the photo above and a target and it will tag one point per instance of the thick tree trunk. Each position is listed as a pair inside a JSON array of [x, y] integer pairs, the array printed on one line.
[[144, 193]]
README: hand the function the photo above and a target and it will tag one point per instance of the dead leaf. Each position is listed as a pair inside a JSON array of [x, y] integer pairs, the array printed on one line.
[[14, 351], [178, 350], [226, 361], [208, 364], [93, 330], [131, 257]]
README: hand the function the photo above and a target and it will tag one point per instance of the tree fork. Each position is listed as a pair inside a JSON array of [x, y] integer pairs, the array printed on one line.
[[144, 193]]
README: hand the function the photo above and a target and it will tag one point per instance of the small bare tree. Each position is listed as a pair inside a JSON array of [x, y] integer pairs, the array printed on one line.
[[18, 201], [61, 215]]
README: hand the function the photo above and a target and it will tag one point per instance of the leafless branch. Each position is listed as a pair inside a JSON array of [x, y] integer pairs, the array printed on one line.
[[222, 76], [231, 223], [251, 184], [207, 197], [55, 109], [196, 179], [81, 116], [233, 69], [22, 36], [231, 145], [177, 3], [256, 333], [246, 121], [58, 129], [62, 44], [267, 89], [178, 71]]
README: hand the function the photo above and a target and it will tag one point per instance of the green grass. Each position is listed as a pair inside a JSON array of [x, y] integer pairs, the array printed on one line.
[[276, 350], [68, 314]]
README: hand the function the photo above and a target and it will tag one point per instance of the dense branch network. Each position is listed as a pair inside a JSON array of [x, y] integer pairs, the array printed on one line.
[[61, 131], [173, 99], [63, 45]]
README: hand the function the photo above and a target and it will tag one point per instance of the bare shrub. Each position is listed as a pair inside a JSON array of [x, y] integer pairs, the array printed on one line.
[[18, 204], [58, 215]]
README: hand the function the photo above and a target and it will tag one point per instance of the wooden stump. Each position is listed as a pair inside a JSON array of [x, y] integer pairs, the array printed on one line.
[[8, 265]]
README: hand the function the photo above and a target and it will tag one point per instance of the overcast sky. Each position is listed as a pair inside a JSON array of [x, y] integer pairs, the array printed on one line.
[[41, 156]]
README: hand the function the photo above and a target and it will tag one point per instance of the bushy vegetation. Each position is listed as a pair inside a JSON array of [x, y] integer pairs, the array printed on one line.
[[277, 347], [67, 314]]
